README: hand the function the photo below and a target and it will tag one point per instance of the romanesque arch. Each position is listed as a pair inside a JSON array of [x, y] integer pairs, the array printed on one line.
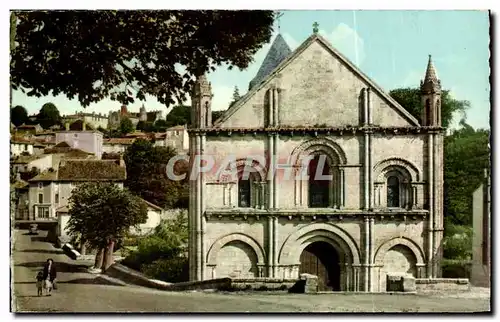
[[318, 193], [386, 246], [254, 168], [331, 149], [406, 168], [219, 243], [300, 239]]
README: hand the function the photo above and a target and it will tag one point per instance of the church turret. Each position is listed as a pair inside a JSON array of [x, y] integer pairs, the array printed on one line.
[[430, 91], [201, 103], [143, 116]]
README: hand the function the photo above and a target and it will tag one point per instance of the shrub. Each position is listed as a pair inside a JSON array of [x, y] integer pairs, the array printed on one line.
[[458, 242], [172, 270], [456, 268]]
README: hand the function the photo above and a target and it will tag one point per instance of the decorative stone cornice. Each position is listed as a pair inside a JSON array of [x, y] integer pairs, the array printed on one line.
[[313, 214], [315, 131]]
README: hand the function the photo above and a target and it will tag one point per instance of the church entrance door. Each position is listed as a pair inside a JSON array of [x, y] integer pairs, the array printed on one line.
[[321, 259]]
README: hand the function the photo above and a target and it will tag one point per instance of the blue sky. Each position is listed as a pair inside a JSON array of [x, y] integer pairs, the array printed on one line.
[[391, 47]]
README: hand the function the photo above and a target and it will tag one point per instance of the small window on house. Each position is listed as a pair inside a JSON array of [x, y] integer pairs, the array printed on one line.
[[25, 147], [392, 191], [40, 185], [57, 198], [40, 198]]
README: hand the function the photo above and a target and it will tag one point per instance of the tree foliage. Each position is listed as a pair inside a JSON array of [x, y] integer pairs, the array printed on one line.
[[98, 54], [103, 213], [466, 155], [160, 125], [410, 99], [141, 126], [216, 115], [48, 116], [179, 115], [18, 115], [236, 96], [126, 126], [147, 174]]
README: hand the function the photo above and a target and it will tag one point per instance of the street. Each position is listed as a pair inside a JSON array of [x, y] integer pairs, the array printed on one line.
[[79, 291]]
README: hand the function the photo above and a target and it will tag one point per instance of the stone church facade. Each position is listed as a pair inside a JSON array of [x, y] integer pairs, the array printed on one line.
[[382, 211]]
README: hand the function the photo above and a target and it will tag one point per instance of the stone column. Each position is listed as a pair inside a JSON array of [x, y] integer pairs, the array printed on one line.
[[270, 244], [275, 160], [275, 106], [365, 106], [271, 171], [370, 107], [275, 246], [430, 194], [198, 210], [372, 253], [262, 195], [342, 188], [366, 253], [270, 107], [202, 210]]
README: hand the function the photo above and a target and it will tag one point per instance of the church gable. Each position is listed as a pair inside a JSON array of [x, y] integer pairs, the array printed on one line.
[[317, 87]]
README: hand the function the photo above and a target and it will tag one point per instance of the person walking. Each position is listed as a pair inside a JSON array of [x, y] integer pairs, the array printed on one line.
[[49, 275]]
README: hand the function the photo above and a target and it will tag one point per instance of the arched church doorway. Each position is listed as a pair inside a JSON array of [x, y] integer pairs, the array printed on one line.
[[321, 259]]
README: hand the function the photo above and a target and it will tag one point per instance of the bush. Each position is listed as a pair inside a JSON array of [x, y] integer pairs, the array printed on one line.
[[153, 248], [456, 268], [458, 242], [172, 270]]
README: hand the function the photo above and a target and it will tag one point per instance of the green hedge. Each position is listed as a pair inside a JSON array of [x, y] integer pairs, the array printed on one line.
[[456, 268], [174, 270]]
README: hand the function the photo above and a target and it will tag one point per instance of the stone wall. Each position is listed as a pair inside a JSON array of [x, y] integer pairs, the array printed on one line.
[[442, 284]]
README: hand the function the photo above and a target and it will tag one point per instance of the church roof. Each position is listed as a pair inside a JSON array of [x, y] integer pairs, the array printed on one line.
[[278, 52], [295, 54]]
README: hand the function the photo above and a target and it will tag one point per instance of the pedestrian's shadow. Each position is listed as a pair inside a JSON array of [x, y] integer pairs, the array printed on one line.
[[60, 267]]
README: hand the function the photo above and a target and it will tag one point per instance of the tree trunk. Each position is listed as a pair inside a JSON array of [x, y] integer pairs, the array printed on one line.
[[83, 248], [99, 258], [108, 256]]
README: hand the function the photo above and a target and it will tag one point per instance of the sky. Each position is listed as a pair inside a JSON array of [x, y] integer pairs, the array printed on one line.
[[391, 47]]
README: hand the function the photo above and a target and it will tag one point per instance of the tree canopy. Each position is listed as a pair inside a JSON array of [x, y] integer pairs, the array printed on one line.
[[410, 99], [48, 116], [126, 126], [147, 175], [18, 115], [179, 115], [125, 55], [102, 214]]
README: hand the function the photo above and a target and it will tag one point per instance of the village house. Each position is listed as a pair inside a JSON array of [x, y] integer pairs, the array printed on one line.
[[88, 141], [93, 120], [50, 191], [29, 129], [177, 137], [19, 145], [379, 214], [116, 145]]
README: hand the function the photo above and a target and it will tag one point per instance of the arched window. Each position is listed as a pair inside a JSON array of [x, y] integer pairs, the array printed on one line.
[[428, 111], [244, 192], [393, 191], [319, 188]]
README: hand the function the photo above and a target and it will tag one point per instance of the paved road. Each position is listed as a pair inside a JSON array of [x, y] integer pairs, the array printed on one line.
[[82, 292]]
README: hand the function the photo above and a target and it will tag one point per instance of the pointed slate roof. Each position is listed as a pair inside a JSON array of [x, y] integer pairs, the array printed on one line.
[[316, 37], [278, 52]]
